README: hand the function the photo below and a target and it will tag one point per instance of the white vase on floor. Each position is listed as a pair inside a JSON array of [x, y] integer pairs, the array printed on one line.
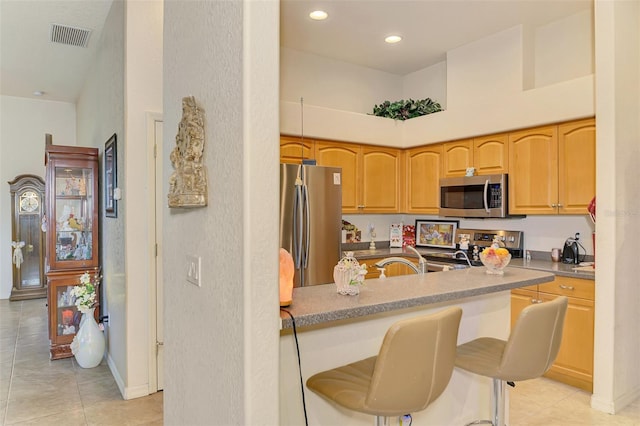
[[88, 343]]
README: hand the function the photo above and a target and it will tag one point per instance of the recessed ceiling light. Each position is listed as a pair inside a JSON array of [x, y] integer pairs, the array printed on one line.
[[393, 39], [318, 15], [38, 93]]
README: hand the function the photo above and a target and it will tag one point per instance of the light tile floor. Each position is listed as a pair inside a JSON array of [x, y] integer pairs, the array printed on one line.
[[37, 391], [549, 403]]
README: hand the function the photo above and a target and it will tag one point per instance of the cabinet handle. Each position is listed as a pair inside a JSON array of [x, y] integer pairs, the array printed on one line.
[[560, 205], [536, 301], [361, 206], [567, 287], [554, 205]]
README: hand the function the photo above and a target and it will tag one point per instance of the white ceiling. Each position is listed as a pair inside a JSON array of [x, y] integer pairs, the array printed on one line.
[[354, 32]]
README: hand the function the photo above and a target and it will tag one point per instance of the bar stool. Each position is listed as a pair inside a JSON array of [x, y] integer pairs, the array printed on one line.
[[530, 351], [412, 368]]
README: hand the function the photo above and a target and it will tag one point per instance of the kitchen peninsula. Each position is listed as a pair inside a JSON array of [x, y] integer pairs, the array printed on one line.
[[334, 330]]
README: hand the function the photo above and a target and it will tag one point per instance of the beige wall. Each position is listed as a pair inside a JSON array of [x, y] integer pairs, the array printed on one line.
[[120, 90], [101, 107], [616, 376], [23, 124], [221, 339]]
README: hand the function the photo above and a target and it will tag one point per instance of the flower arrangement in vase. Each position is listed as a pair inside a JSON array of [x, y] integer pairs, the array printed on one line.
[[85, 293], [88, 343]]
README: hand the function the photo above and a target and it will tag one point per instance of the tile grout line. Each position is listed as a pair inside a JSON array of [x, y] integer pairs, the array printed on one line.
[[13, 364]]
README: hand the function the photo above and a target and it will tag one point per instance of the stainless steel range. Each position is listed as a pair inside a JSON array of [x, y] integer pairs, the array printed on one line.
[[511, 240]]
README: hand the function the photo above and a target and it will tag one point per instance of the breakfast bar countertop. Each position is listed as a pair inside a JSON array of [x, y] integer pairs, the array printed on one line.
[[320, 304]]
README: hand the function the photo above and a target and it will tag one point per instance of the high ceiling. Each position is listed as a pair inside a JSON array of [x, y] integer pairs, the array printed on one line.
[[354, 32]]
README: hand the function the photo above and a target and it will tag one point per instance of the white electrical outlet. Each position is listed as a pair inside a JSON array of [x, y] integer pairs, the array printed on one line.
[[194, 269]]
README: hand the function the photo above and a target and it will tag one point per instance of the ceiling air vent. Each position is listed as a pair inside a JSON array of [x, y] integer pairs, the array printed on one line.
[[71, 36]]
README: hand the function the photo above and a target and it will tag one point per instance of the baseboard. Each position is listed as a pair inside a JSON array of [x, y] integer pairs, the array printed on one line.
[[126, 392], [613, 407], [116, 375]]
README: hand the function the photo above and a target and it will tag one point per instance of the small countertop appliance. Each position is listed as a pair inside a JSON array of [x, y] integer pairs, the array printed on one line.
[[571, 251]]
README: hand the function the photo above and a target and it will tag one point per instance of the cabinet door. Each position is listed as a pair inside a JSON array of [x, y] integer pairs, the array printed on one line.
[[520, 299], [64, 316], [574, 363], [293, 150], [457, 156], [346, 156], [423, 169], [491, 154], [576, 166], [72, 208], [533, 165], [380, 179]]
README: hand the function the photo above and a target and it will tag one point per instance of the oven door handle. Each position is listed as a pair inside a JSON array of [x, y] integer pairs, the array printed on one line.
[[485, 201]]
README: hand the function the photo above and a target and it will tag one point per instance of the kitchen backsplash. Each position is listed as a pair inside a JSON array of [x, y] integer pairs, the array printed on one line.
[[541, 233]]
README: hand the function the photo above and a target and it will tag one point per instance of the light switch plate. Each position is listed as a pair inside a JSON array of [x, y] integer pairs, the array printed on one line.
[[194, 272]]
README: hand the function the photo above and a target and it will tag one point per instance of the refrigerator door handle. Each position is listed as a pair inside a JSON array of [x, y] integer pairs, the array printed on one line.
[[307, 226], [297, 228]]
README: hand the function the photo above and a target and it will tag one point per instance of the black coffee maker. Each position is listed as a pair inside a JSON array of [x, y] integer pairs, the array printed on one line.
[[571, 253]]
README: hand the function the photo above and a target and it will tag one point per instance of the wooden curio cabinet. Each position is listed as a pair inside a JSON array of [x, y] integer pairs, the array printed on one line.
[[27, 238], [72, 236]]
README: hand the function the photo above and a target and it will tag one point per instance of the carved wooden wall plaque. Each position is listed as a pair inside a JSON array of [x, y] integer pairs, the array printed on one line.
[[188, 182]]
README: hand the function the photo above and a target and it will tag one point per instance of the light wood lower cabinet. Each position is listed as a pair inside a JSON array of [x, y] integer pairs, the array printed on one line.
[[574, 363]]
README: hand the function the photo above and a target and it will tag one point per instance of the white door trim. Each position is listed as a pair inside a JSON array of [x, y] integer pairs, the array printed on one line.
[[154, 220]]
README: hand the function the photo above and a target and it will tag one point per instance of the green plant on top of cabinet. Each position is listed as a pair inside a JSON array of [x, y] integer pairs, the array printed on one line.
[[552, 169], [423, 170], [371, 177]]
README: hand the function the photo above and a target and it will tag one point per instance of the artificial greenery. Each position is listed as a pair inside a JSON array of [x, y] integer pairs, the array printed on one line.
[[404, 110]]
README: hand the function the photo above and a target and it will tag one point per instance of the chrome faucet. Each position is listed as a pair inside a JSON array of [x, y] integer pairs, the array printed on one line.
[[422, 262], [384, 262], [464, 254]]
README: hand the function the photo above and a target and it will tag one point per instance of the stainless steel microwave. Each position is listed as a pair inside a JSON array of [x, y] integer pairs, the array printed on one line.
[[474, 196]]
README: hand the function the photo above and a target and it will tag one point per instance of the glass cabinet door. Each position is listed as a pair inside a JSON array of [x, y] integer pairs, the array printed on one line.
[[67, 314], [74, 204]]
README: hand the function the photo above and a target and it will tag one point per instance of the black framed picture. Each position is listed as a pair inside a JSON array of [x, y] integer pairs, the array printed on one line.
[[110, 177], [436, 233]]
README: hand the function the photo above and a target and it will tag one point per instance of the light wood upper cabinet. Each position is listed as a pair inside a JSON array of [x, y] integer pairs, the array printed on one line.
[[576, 166], [457, 156], [381, 180], [533, 165], [348, 157], [491, 154], [293, 150], [423, 170], [552, 169]]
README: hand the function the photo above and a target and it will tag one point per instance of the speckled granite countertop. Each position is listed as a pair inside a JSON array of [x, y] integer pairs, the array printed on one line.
[[540, 262], [321, 303]]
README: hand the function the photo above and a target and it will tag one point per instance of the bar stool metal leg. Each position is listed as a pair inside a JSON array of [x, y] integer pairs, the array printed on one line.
[[382, 421], [497, 406]]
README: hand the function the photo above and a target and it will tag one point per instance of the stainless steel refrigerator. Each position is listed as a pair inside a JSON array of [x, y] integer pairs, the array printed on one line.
[[310, 220]]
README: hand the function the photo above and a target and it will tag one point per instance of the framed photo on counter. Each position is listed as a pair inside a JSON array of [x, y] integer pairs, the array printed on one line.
[[436, 233]]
